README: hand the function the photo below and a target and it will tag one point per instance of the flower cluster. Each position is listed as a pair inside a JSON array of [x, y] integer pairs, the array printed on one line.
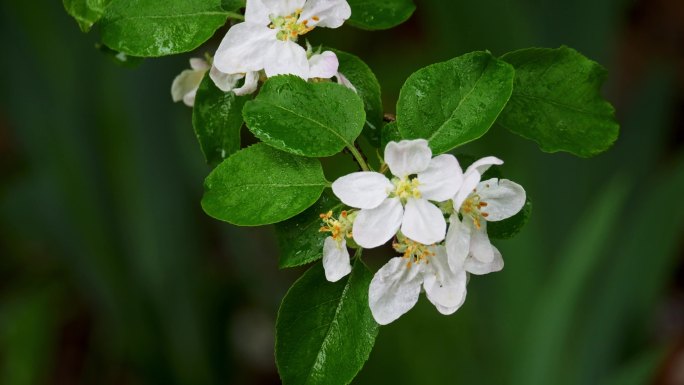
[[265, 45], [412, 207]]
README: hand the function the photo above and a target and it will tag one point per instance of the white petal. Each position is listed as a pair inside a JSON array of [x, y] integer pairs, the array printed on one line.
[[374, 227], [224, 82], [423, 222], [394, 290], [284, 7], [503, 197], [335, 259], [363, 190], [257, 12], [186, 83], [325, 13], [445, 288], [323, 65], [244, 48], [457, 243], [189, 98], [341, 79], [199, 64], [476, 267], [480, 247], [408, 157], [482, 165], [442, 178], [470, 182], [286, 58], [250, 85]]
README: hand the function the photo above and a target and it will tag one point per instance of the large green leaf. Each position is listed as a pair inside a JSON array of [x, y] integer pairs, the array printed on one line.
[[299, 239], [217, 119], [325, 331], [454, 102], [390, 133], [368, 88], [557, 102], [309, 119], [260, 185], [379, 14], [86, 12], [160, 27]]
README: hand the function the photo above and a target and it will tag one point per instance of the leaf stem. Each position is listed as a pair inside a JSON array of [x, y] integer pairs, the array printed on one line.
[[235, 15], [359, 158]]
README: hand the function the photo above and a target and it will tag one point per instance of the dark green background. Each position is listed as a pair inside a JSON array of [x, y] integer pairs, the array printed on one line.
[[110, 273]]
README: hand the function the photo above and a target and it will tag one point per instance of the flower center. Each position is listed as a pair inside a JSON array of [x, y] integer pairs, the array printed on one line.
[[472, 207], [413, 251], [289, 27], [405, 188], [338, 228]]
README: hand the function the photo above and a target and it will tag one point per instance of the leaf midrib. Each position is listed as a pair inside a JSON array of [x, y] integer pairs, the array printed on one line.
[[337, 134], [460, 102]]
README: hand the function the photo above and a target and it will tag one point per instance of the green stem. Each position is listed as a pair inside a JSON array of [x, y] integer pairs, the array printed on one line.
[[359, 158], [235, 15]]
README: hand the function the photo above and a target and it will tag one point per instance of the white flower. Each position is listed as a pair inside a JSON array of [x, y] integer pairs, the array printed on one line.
[[266, 40], [228, 82], [467, 242], [395, 288], [185, 85], [335, 254], [403, 202]]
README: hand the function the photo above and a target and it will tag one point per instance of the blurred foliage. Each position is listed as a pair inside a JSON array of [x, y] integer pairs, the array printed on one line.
[[111, 274]]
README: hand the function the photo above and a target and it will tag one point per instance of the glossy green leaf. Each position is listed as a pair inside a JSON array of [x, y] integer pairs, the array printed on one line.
[[299, 239], [151, 28], [454, 102], [379, 14], [325, 331], [309, 119], [217, 119], [508, 228], [86, 12], [260, 185], [368, 88], [557, 102], [390, 133]]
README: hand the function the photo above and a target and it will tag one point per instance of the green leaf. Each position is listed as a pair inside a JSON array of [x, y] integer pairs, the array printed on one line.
[[508, 228], [325, 331], [86, 12], [299, 239], [557, 102], [454, 102], [260, 185], [390, 133], [368, 88], [309, 119], [217, 119], [232, 5], [379, 14], [150, 28]]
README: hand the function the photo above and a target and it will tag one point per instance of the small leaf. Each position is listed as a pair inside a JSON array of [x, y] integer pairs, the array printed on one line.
[[368, 88], [379, 14], [86, 12], [150, 28], [232, 5], [454, 102], [390, 133], [217, 119], [309, 119], [325, 331], [508, 228], [260, 185], [299, 239], [557, 102]]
